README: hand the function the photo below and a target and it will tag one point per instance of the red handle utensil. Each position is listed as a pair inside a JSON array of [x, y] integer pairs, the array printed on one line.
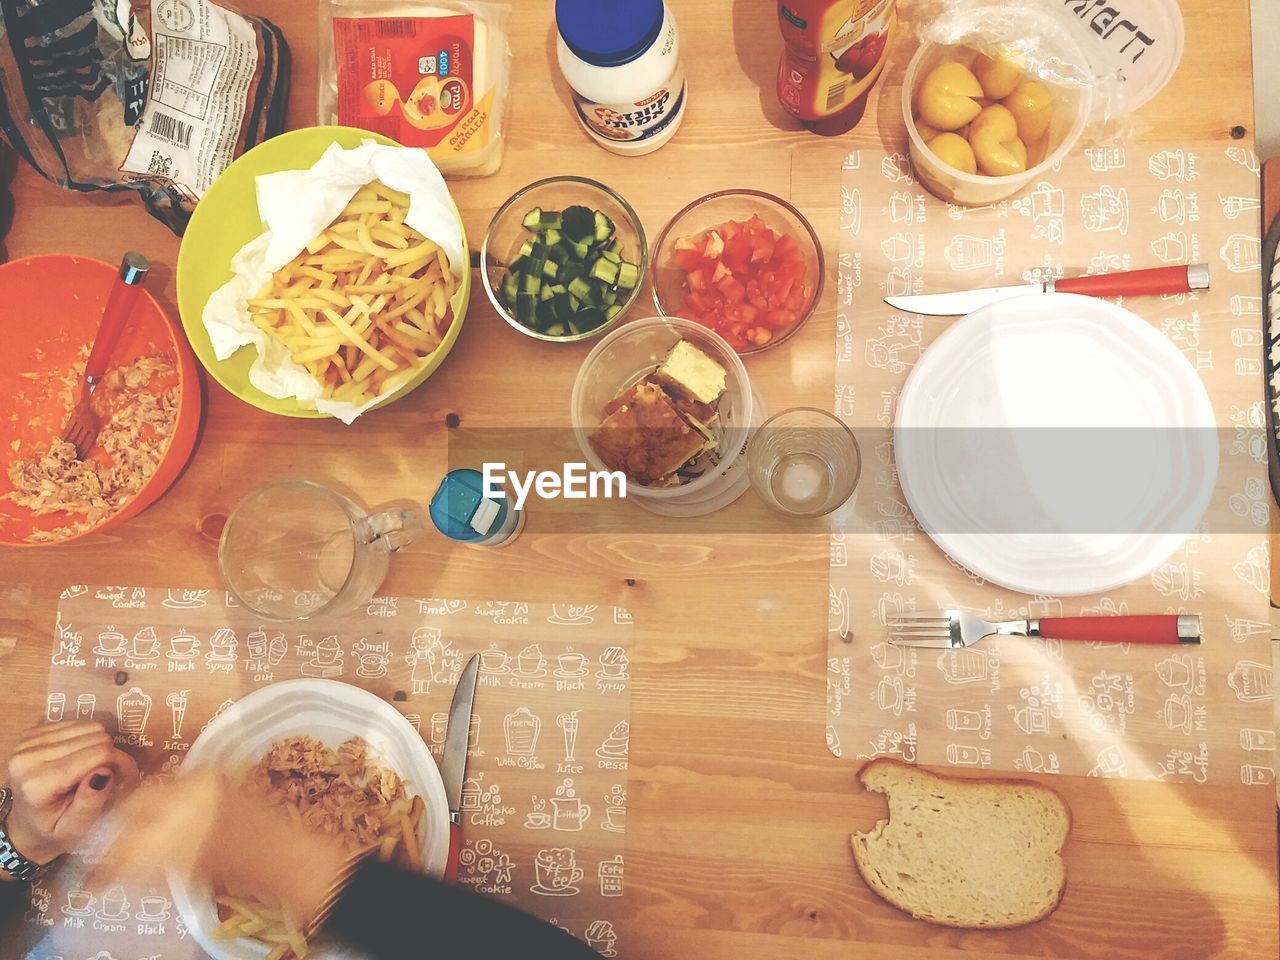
[[1160, 628], [1139, 283], [455, 851], [120, 303]]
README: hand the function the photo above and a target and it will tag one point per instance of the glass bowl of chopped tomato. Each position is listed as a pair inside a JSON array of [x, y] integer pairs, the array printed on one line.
[[744, 263]]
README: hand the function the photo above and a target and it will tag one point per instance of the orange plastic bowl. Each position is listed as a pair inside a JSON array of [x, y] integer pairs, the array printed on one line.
[[50, 307]]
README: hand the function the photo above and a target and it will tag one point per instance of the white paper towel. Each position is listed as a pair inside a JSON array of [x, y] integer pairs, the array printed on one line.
[[296, 206]]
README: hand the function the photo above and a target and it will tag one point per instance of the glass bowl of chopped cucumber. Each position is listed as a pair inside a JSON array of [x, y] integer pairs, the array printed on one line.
[[564, 259]]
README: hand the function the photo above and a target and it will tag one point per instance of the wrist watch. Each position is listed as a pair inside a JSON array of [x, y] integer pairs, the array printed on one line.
[[11, 861]]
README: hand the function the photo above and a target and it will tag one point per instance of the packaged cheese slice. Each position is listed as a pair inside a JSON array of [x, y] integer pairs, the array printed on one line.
[[430, 74]]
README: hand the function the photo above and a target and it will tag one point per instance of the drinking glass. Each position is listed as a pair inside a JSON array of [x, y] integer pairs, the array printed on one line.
[[804, 462], [294, 550]]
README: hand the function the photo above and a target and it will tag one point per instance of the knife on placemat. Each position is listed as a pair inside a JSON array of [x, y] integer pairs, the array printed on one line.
[[454, 769], [1131, 283]]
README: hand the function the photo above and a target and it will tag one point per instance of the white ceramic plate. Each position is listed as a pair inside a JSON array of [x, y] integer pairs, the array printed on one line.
[[1056, 445], [331, 712]]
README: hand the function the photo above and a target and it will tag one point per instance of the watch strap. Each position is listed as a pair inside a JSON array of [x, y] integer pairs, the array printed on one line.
[[12, 861]]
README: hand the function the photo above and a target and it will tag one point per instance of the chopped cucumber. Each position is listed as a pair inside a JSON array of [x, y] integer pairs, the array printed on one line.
[[570, 277], [603, 228], [605, 270], [578, 224]]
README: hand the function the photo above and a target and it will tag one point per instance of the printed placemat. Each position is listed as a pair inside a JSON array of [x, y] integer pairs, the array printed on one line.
[[1201, 713], [545, 797]]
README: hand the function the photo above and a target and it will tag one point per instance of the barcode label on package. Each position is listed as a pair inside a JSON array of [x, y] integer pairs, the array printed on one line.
[[202, 68], [170, 129]]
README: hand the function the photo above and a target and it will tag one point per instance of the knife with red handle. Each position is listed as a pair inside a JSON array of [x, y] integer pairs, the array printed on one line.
[[453, 769], [1136, 283], [1157, 281]]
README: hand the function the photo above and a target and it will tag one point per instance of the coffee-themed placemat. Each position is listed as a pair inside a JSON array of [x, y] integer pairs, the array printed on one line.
[[545, 797], [1199, 713]]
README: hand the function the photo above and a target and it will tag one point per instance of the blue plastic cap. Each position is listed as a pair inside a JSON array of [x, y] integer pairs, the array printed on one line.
[[608, 33], [455, 503]]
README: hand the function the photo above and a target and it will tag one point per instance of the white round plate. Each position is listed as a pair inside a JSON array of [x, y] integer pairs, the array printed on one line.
[[1008, 449], [331, 712]]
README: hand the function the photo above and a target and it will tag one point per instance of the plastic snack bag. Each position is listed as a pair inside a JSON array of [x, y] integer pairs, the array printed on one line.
[[426, 74], [155, 98]]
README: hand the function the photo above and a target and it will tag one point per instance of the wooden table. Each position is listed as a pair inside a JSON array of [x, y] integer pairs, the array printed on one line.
[[740, 815]]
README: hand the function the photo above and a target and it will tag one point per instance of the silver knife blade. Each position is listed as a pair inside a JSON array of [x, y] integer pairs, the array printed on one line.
[[960, 302], [454, 769]]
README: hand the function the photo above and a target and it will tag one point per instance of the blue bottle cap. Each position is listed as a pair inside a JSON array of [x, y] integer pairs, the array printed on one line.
[[458, 500], [608, 33]]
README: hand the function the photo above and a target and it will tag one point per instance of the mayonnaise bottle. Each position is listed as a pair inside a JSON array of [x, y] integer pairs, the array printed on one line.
[[622, 60]]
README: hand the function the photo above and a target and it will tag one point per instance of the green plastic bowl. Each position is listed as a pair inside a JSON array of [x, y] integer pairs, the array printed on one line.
[[227, 218]]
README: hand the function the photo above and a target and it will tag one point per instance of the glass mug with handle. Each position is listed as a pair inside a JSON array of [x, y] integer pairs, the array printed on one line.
[[293, 550]]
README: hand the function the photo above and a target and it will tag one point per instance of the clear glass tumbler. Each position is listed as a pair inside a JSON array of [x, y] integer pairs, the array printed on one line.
[[804, 462], [294, 550]]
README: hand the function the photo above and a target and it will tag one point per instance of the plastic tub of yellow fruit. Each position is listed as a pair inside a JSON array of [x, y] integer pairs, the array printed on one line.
[[982, 128]]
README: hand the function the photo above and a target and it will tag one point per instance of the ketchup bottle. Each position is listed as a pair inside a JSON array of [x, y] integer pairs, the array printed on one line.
[[835, 50]]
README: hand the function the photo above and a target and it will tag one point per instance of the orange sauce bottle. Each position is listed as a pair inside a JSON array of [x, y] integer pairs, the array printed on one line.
[[834, 52]]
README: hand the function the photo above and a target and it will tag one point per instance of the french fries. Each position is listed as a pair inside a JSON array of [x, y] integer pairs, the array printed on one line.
[[365, 302], [400, 830]]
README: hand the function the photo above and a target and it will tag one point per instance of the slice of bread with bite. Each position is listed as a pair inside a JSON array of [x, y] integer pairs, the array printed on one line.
[[981, 854]]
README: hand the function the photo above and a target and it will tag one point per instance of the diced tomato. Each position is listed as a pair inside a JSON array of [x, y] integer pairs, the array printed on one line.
[[689, 259], [744, 280]]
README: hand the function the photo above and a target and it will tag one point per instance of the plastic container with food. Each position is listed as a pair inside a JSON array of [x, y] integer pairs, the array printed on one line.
[[148, 403], [743, 263], [998, 93], [564, 259], [1067, 109], [628, 358]]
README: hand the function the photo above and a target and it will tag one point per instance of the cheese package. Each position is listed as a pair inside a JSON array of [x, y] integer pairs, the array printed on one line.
[[427, 74]]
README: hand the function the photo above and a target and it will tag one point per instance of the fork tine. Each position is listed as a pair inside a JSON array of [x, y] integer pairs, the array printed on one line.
[[917, 640], [919, 631], [922, 621]]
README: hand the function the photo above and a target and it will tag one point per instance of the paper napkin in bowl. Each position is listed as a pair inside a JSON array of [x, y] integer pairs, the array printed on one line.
[[298, 205]]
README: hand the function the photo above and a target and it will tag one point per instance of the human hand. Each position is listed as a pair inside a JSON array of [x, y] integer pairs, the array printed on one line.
[[64, 777], [205, 827]]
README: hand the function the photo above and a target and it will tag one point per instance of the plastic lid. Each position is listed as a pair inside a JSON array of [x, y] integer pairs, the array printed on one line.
[[460, 511], [608, 33], [1141, 45]]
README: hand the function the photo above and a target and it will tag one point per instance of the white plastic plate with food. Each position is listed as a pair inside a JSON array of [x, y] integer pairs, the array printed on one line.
[[332, 713], [1056, 444]]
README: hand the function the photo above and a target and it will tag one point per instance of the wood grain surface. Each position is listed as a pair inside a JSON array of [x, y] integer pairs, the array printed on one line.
[[737, 839]]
